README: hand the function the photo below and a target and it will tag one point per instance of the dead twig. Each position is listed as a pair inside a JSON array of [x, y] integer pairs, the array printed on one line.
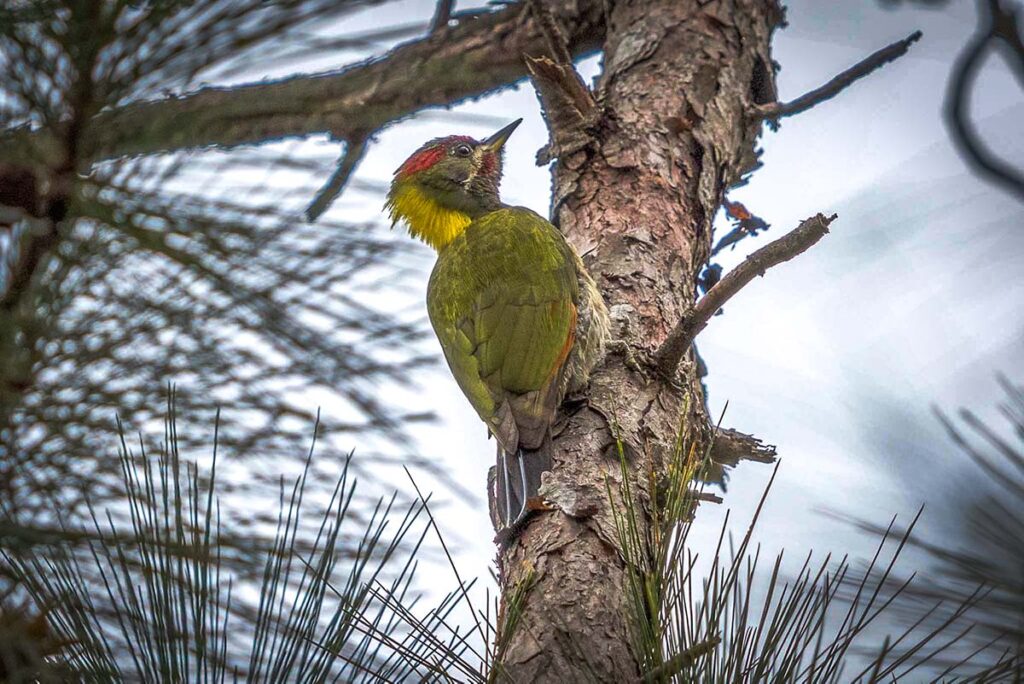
[[785, 248], [777, 110], [732, 446]]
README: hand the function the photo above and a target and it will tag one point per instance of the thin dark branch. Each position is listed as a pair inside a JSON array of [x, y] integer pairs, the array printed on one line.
[[442, 15], [43, 231], [1006, 27], [777, 110], [995, 25], [785, 248], [354, 151], [33, 251]]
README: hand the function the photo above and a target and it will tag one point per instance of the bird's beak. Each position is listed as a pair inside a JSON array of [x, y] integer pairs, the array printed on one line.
[[495, 142]]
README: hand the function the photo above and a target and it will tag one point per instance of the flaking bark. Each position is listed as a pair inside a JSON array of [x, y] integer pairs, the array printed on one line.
[[637, 202]]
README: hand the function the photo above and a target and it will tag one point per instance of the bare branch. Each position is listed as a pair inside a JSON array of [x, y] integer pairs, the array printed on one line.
[[442, 15], [996, 25], [354, 151], [785, 248], [777, 110], [469, 60]]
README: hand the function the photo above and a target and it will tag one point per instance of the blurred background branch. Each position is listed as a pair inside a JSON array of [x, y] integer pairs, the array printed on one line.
[[481, 53], [1000, 30]]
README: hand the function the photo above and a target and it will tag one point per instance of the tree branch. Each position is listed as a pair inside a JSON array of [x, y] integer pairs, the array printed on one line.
[[732, 446], [469, 60], [354, 151], [777, 110], [785, 248], [33, 249], [568, 105]]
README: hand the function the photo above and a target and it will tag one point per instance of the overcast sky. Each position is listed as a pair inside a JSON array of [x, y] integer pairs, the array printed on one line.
[[914, 299]]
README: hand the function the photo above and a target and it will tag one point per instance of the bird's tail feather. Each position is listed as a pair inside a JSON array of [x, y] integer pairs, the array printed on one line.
[[516, 482]]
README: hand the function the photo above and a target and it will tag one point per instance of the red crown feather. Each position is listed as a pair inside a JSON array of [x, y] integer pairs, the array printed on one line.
[[431, 153]]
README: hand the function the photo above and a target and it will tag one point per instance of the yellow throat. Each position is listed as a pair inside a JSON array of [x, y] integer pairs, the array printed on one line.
[[425, 218]]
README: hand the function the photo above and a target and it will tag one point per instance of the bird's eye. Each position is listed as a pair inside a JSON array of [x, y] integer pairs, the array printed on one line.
[[462, 150]]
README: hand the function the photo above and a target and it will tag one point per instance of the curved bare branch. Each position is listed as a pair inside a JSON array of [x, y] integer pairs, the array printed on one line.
[[996, 26]]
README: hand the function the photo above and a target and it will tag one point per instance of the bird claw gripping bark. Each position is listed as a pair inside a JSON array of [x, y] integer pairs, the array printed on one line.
[[511, 532]]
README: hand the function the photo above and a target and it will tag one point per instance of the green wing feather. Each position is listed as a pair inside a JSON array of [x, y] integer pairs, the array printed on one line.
[[502, 299]]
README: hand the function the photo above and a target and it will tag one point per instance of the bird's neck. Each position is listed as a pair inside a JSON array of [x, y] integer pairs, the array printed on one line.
[[429, 219]]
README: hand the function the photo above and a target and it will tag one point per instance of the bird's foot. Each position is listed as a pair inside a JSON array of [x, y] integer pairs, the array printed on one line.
[[511, 532]]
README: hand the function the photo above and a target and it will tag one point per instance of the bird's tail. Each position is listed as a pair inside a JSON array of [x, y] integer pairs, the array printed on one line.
[[515, 485]]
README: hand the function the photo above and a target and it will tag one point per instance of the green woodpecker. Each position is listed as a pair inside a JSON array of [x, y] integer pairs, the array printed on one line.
[[519, 318]]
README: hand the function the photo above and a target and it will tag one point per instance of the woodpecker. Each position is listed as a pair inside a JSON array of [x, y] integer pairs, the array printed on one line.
[[520, 321]]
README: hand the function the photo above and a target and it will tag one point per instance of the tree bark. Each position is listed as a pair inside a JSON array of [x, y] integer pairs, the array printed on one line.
[[638, 201]]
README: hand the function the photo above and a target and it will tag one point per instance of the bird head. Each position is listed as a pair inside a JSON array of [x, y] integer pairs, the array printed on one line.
[[447, 183]]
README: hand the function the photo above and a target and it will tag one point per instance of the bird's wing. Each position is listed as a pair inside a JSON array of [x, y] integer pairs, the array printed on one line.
[[502, 300]]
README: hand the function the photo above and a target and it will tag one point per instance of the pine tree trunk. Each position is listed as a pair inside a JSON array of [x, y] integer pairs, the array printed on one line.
[[638, 202]]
